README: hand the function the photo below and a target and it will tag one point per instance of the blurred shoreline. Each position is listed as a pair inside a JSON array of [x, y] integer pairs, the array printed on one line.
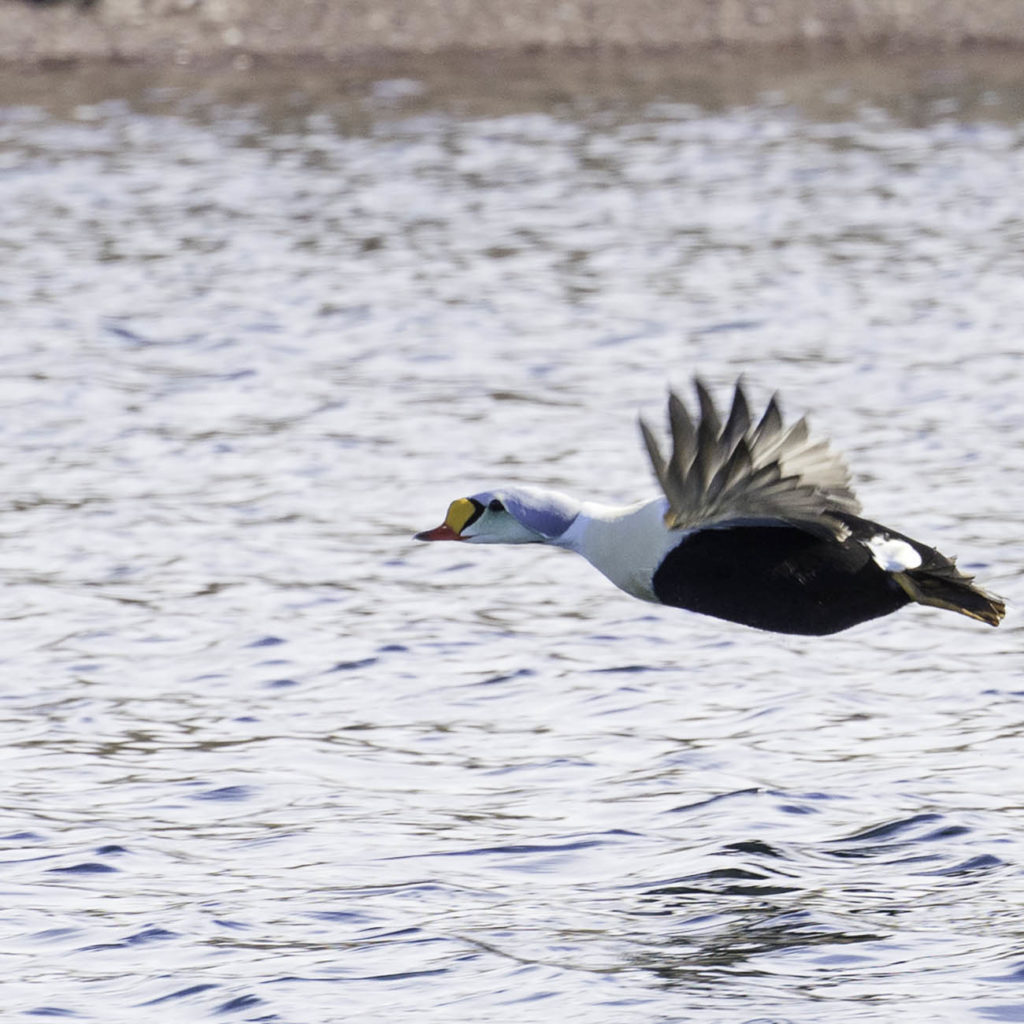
[[238, 32]]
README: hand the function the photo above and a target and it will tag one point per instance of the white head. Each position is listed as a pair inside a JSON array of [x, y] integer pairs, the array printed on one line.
[[511, 515]]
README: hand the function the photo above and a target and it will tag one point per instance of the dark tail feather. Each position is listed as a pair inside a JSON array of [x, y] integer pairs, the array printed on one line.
[[942, 585]]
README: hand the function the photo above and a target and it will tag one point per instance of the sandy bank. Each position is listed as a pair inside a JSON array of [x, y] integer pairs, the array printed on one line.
[[185, 31]]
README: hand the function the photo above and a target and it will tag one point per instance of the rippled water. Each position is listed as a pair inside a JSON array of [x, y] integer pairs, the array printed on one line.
[[266, 758]]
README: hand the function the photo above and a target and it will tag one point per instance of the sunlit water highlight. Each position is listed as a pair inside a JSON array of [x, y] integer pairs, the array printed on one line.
[[265, 758]]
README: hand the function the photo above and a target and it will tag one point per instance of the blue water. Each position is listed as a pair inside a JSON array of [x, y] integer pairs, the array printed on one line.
[[268, 759]]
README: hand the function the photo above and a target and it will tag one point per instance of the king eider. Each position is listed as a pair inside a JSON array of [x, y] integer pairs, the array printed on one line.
[[757, 524]]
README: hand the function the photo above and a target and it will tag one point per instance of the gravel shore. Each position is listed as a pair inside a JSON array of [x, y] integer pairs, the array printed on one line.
[[204, 31]]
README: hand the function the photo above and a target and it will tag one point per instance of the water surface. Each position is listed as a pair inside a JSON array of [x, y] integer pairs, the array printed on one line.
[[266, 758]]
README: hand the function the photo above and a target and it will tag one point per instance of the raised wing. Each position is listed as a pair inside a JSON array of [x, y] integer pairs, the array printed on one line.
[[738, 471]]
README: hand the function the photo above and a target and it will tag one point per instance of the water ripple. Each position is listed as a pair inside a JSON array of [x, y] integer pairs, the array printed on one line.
[[267, 758]]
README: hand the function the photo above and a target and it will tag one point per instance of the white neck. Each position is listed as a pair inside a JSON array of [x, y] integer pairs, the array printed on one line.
[[627, 544]]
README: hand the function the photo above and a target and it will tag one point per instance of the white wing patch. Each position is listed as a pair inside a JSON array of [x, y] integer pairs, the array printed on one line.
[[892, 554]]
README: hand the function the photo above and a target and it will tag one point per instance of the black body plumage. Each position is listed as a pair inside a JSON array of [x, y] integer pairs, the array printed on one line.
[[780, 578]]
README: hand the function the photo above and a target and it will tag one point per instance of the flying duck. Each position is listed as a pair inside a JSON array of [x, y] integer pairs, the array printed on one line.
[[757, 524]]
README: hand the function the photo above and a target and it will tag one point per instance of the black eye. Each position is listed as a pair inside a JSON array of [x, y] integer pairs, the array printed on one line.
[[496, 506]]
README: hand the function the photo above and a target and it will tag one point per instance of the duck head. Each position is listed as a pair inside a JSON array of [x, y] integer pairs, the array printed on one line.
[[520, 515]]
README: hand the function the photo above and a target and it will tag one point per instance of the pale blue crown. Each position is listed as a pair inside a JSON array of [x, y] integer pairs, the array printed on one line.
[[545, 512]]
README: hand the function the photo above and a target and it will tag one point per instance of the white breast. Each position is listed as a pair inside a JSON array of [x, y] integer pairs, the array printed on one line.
[[626, 544]]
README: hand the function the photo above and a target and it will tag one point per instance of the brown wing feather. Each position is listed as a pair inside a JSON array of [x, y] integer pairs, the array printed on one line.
[[739, 471]]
